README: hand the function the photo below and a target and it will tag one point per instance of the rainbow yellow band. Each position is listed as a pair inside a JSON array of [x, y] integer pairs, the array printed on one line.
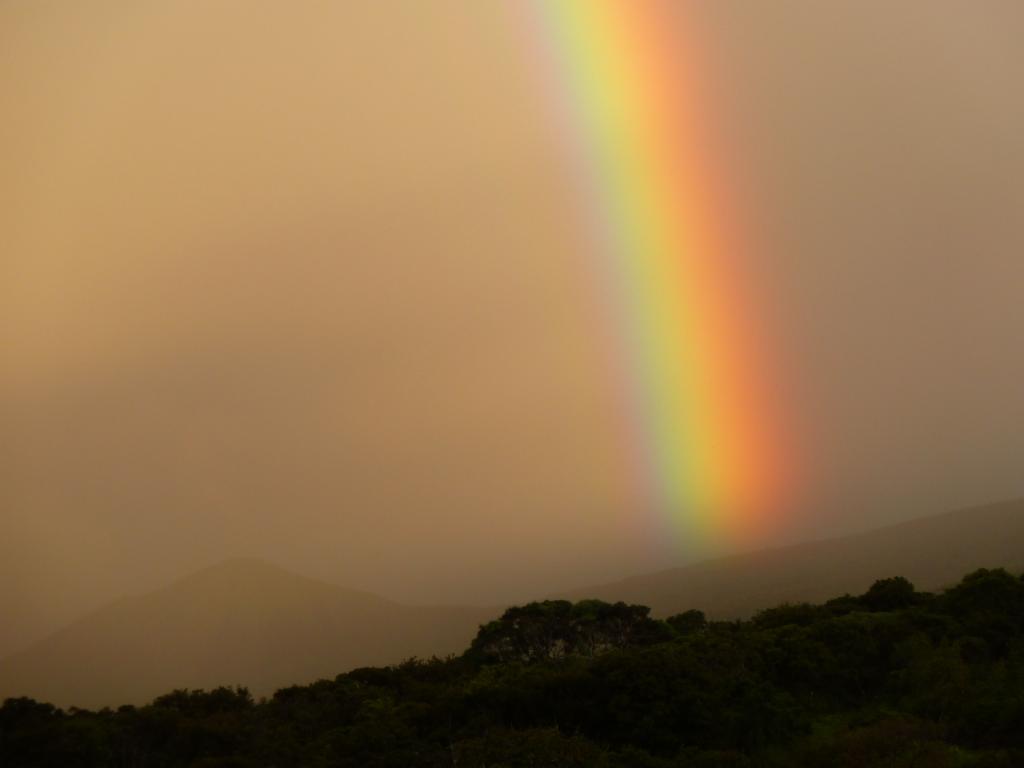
[[625, 72]]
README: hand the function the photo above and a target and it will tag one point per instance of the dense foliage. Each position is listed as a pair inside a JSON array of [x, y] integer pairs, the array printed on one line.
[[893, 677]]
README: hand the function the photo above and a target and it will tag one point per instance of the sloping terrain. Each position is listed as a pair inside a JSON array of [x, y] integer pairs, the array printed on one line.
[[246, 622], [932, 552], [242, 622]]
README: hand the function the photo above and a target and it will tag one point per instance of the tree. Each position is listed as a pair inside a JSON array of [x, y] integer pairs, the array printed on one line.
[[688, 622], [554, 629], [890, 595]]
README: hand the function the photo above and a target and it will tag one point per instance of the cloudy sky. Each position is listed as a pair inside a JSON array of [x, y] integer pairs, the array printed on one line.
[[303, 281]]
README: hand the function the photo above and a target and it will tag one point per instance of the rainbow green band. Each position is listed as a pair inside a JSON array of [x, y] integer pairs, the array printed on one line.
[[625, 74]]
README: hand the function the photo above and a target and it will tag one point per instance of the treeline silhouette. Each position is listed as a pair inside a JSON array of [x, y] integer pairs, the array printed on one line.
[[893, 677]]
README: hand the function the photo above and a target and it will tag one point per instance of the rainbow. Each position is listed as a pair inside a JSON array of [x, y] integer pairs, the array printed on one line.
[[699, 393]]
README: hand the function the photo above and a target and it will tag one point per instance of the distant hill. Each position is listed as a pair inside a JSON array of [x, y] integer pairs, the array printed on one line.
[[250, 623], [932, 552], [893, 678], [242, 622]]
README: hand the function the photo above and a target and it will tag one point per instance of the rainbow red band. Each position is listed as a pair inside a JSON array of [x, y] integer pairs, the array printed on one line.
[[703, 409]]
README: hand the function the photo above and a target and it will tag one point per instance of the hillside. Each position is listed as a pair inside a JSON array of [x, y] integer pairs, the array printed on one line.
[[241, 622], [932, 552], [893, 678], [250, 623]]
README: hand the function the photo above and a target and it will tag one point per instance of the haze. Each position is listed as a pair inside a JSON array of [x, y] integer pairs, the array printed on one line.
[[302, 281]]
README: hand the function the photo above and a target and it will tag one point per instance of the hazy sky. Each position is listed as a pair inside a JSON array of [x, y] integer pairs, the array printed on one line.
[[302, 280]]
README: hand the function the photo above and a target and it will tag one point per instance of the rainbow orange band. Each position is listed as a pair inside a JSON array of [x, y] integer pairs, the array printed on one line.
[[703, 412]]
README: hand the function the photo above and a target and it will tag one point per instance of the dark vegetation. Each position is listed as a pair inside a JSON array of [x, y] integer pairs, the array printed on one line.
[[893, 677]]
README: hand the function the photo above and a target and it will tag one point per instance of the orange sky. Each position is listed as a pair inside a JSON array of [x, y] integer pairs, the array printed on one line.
[[301, 280]]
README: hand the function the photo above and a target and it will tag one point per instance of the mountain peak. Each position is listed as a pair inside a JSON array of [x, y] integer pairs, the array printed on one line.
[[242, 565], [242, 621]]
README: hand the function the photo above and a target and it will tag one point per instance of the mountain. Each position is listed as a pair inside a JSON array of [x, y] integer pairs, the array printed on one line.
[[890, 678], [250, 623], [932, 552], [242, 622]]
